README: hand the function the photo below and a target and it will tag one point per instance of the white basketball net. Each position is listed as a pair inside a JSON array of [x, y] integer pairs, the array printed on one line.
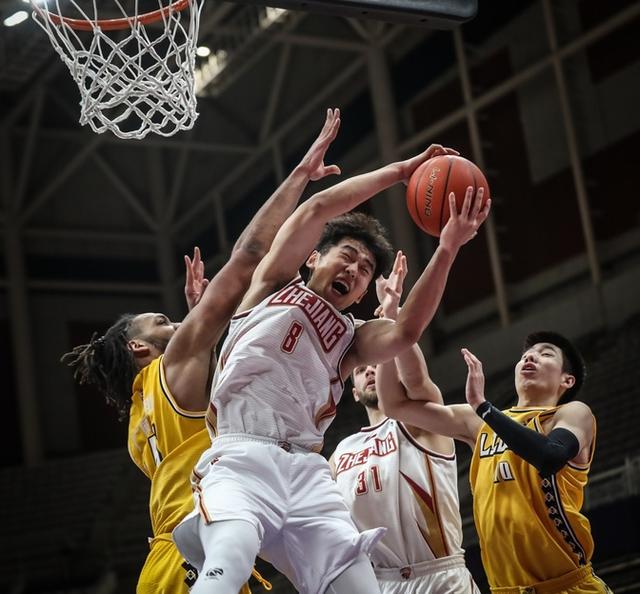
[[132, 81]]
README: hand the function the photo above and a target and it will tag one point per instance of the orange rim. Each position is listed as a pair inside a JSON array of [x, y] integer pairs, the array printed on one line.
[[117, 24]]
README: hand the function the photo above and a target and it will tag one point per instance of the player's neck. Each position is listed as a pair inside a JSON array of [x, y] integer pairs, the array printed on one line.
[[536, 400], [375, 415]]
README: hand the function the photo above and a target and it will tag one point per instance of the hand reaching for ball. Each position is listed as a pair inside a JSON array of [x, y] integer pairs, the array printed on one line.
[[410, 165], [463, 225]]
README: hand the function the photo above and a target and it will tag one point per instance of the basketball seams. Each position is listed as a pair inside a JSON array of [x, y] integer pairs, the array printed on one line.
[[445, 198]]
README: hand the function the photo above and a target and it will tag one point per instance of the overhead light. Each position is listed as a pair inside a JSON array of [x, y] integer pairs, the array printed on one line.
[[203, 51], [16, 18]]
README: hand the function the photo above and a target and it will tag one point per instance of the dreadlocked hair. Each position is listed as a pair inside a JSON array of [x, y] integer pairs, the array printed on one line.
[[107, 363], [364, 228]]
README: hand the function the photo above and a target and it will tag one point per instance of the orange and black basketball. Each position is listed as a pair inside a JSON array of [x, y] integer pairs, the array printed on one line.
[[430, 186]]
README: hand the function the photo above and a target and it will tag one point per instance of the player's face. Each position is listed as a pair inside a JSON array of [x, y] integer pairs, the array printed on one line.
[[343, 273], [540, 370], [156, 329], [364, 385]]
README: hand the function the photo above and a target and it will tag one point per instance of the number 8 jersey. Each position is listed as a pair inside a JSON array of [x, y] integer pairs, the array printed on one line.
[[278, 374]]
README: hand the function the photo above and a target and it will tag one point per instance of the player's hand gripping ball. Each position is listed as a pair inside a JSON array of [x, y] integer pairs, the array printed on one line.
[[431, 184]]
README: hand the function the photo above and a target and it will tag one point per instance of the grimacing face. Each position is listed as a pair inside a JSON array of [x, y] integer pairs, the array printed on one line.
[[364, 385], [343, 273], [540, 370]]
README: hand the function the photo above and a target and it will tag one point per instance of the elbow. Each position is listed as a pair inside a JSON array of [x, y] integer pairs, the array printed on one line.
[[250, 253], [406, 335]]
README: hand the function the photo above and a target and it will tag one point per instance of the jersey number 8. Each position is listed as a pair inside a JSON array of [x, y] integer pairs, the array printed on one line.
[[293, 336]]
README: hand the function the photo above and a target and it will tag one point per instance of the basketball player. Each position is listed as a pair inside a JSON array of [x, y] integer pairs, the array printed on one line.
[[529, 468], [157, 372], [262, 486], [404, 478]]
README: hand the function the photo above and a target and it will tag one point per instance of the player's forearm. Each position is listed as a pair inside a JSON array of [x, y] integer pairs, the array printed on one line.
[[548, 453], [259, 234], [414, 375], [349, 194], [395, 403], [392, 395], [425, 296]]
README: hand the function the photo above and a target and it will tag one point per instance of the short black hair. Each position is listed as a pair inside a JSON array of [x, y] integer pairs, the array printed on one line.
[[572, 360], [364, 228]]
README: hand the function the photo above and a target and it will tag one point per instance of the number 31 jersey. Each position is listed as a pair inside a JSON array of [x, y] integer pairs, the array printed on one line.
[[389, 479], [278, 374]]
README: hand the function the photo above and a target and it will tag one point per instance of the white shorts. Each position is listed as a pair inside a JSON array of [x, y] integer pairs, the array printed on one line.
[[448, 575], [287, 493]]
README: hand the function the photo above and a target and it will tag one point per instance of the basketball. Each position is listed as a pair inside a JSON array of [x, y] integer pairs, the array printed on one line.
[[430, 185]]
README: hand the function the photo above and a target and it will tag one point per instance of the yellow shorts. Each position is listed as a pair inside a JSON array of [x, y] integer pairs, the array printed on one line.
[[581, 581], [166, 572]]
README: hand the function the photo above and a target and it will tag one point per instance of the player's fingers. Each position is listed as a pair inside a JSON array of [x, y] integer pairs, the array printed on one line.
[[451, 151], [453, 209], [477, 202], [484, 213], [466, 205], [205, 284]]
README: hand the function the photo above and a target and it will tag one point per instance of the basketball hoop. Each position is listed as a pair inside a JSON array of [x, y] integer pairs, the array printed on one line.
[[135, 72]]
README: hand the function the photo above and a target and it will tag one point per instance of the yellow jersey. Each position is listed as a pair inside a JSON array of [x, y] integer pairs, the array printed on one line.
[[165, 442], [530, 528]]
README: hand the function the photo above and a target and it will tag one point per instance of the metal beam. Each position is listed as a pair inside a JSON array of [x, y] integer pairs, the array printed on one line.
[[81, 136], [276, 89], [320, 42], [126, 192], [27, 153], [66, 286], [165, 260], [499, 91], [178, 182], [347, 74], [58, 180], [478, 157], [84, 235], [20, 321], [574, 151]]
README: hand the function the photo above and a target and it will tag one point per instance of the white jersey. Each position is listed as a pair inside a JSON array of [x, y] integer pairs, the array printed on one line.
[[388, 479], [278, 373]]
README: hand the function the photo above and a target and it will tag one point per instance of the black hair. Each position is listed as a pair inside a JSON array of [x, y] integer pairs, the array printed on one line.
[[572, 361], [364, 228], [107, 363]]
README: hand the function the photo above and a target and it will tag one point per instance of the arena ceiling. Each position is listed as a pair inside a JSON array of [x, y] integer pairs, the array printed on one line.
[[76, 196]]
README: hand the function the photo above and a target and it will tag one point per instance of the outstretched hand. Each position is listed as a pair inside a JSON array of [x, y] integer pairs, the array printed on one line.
[[313, 161], [463, 226], [410, 165], [195, 282], [474, 389], [389, 290]]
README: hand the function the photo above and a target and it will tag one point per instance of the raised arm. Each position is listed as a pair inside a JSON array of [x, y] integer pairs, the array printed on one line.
[[186, 360], [300, 234], [411, 364], [378, 341]]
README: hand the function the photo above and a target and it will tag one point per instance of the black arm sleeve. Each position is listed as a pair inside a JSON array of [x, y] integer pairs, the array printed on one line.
[[548, 453]]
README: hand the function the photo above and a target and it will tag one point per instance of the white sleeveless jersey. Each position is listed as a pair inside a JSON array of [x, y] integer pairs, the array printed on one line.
[[278, 372], [388, 479]]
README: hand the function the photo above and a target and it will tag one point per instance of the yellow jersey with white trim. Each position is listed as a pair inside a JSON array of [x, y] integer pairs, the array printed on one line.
[[165, 442], [386, 477], [530, 528]]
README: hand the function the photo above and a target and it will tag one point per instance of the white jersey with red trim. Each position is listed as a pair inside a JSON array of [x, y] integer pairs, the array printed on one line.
[[388, 479], [278, 372]]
